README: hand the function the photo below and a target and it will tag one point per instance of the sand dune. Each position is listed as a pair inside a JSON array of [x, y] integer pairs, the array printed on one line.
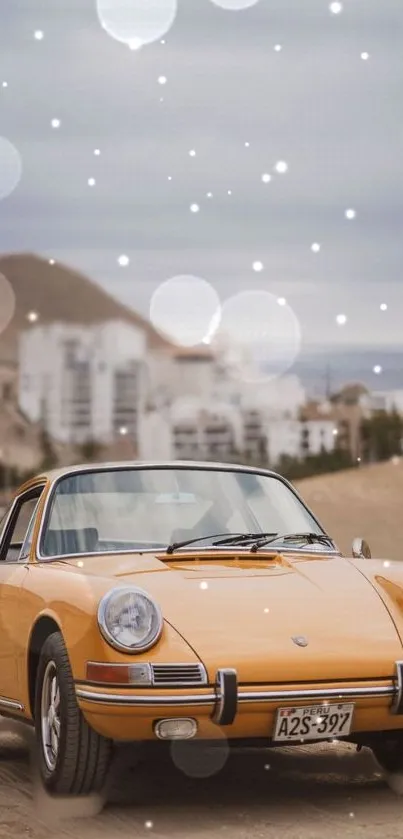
[[367, 502]]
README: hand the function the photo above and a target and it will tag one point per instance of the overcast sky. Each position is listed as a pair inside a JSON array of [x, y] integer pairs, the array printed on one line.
[[335, 118]]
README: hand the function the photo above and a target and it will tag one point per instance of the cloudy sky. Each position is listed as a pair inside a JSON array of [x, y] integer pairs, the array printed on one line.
[[335, 118]]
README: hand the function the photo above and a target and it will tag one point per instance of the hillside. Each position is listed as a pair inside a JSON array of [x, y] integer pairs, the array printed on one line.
[[58, 293], [363, 502]]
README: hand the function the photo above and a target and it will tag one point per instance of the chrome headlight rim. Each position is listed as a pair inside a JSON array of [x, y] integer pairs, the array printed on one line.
[[107, 635]]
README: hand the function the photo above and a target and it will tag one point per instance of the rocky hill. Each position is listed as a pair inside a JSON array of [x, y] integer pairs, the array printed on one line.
[[58, 293]]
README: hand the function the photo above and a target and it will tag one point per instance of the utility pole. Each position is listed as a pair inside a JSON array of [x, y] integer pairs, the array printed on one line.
[[328, 382]]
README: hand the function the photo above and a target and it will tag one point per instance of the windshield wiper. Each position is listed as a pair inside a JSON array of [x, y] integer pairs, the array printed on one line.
[[311, 538], [243, 537], [230, 539]]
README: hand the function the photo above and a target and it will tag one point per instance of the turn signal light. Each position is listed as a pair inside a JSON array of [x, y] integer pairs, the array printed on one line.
[[119, 674]]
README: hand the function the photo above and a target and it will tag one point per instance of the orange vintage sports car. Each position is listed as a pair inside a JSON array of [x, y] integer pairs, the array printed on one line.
[[147, 602]]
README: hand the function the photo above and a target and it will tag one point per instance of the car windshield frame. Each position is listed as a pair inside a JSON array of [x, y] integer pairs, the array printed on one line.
[[173, 466]]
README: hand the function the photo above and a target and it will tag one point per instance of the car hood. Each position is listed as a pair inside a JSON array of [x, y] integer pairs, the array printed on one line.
[[244, 612]]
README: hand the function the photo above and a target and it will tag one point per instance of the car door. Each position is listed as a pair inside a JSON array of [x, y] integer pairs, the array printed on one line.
[[14, 554]]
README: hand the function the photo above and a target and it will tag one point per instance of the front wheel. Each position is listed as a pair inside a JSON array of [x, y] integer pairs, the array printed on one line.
[[389, 756], [73, 759]]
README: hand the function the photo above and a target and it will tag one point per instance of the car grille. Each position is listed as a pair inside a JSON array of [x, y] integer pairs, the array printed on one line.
[[178, 674]]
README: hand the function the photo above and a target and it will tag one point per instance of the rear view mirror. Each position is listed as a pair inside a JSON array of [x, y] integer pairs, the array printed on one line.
[[361, 549]]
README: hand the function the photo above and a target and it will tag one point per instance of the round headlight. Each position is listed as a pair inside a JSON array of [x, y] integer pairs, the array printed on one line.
[[129, 620]]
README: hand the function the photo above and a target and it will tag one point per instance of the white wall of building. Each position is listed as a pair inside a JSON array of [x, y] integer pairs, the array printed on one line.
[[203, 428], [119, 351], [172, 375], [32, 364], [45, 381], [283, 437], [190, 428], [320, 436], [283, 396], [67, 403], [275, 397], [383, 401], [193, 376], [155, 440], [89, 383], [298, 439], [73, 378]]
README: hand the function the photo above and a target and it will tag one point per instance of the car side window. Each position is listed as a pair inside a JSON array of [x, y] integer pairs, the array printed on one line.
[[17, 538], [26, 547], [3, 521]]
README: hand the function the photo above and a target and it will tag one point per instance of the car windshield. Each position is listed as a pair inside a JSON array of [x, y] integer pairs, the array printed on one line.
[[150, 508]]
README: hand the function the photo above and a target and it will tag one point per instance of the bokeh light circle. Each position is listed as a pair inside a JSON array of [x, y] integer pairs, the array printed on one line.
[[186, 310], [7, 303], [10, 167], [235, 5], [196, 760], [137, 22], [258, 338]]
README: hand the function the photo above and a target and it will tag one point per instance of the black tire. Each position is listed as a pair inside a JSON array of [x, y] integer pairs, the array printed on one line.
[[389, 753], [83, 756]]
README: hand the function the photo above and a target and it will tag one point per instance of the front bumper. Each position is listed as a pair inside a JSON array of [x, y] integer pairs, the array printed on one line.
[[227, 696]]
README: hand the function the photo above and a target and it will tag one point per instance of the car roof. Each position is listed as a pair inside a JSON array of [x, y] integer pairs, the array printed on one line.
[[55, 474]]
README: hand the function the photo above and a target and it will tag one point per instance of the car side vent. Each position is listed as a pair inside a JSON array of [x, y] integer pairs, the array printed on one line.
[[179, 675]]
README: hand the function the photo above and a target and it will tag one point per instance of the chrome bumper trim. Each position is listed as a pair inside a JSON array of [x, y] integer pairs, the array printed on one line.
[[397, 704], [10, 704], [316, 693], [141, 700]]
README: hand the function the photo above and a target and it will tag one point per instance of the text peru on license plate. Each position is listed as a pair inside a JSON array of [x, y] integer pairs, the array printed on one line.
[[316, 722]]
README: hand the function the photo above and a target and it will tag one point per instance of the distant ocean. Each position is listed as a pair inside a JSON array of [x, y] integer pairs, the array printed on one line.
[[320, 369]]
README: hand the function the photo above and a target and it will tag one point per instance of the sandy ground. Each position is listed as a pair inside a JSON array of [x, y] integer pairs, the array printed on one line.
[[329, 792], [306, 793], [367, 502]]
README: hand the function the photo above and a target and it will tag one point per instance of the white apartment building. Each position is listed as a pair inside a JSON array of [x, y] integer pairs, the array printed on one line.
[[189, 430], [281, 397], [119, 375], [96, 383], [382, 401], [283, 438], [298, 439], [155, 438], [253, 434], [318, 435], [181, 372], [202, 429], [83, 383]]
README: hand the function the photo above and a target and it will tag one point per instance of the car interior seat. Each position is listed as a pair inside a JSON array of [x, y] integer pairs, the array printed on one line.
[[62, 542], [207, 526]]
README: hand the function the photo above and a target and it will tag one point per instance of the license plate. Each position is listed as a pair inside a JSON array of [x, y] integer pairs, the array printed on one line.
[[316, 722]]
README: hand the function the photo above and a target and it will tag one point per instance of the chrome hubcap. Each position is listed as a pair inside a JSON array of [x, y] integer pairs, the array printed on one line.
[[50, 716]]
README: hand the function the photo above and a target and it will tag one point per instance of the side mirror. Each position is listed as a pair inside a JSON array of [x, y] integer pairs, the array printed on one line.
[[361, 549]]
